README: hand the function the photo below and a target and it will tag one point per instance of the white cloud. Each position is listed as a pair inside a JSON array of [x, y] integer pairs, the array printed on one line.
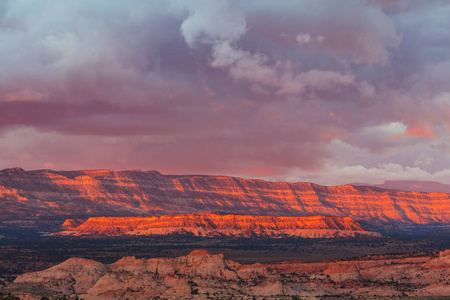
[[211, 21], [388, 130], [334, 175], [243, 65], [220, 25], [316, 79], [423, 160], [306, 38], [303, 38]]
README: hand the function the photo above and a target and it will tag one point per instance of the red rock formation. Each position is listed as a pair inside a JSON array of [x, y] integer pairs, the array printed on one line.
[[127, 193], [219, 224], [201, 274], [71, 224]]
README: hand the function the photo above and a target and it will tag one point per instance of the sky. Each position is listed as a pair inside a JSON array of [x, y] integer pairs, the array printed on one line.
[[328, 91]]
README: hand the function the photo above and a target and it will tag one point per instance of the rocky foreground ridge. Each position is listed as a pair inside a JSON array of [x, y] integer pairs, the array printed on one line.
[[128, 193], [200, 275], [213, 224]]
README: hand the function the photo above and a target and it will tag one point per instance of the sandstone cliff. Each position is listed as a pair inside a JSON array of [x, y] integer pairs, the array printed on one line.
[[200, 275], [128, 193], [219, 224]]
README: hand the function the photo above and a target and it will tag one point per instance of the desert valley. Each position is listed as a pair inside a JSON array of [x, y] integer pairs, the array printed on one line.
[[94, 238]]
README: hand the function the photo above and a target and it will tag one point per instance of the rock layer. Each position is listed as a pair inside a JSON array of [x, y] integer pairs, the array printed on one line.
[[128, 193], [219, 224], [201, 275]]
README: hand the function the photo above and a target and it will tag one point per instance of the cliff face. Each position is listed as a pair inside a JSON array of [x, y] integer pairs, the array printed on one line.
[[128, 193], [215, 224], [201, 274]]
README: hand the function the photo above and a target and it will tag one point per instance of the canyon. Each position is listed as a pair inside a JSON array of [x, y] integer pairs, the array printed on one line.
[[153, 220], [214, 224], [47, 193], [202, 275]]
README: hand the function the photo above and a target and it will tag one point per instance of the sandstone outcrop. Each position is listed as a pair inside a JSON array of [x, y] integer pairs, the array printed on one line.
[[128, 193], [75, 275], [200, 275], [219, 224]]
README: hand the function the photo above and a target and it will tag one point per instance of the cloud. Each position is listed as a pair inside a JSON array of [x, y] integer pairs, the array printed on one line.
[[211, 22], [371, 175], [344, 29], [315, 79], [420, 130], [229, 27], [305, 38], [249, 88], [243, 65]]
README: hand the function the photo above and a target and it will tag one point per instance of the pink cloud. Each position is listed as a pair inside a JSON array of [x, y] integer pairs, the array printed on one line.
[[422, 130], [248, 88]]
